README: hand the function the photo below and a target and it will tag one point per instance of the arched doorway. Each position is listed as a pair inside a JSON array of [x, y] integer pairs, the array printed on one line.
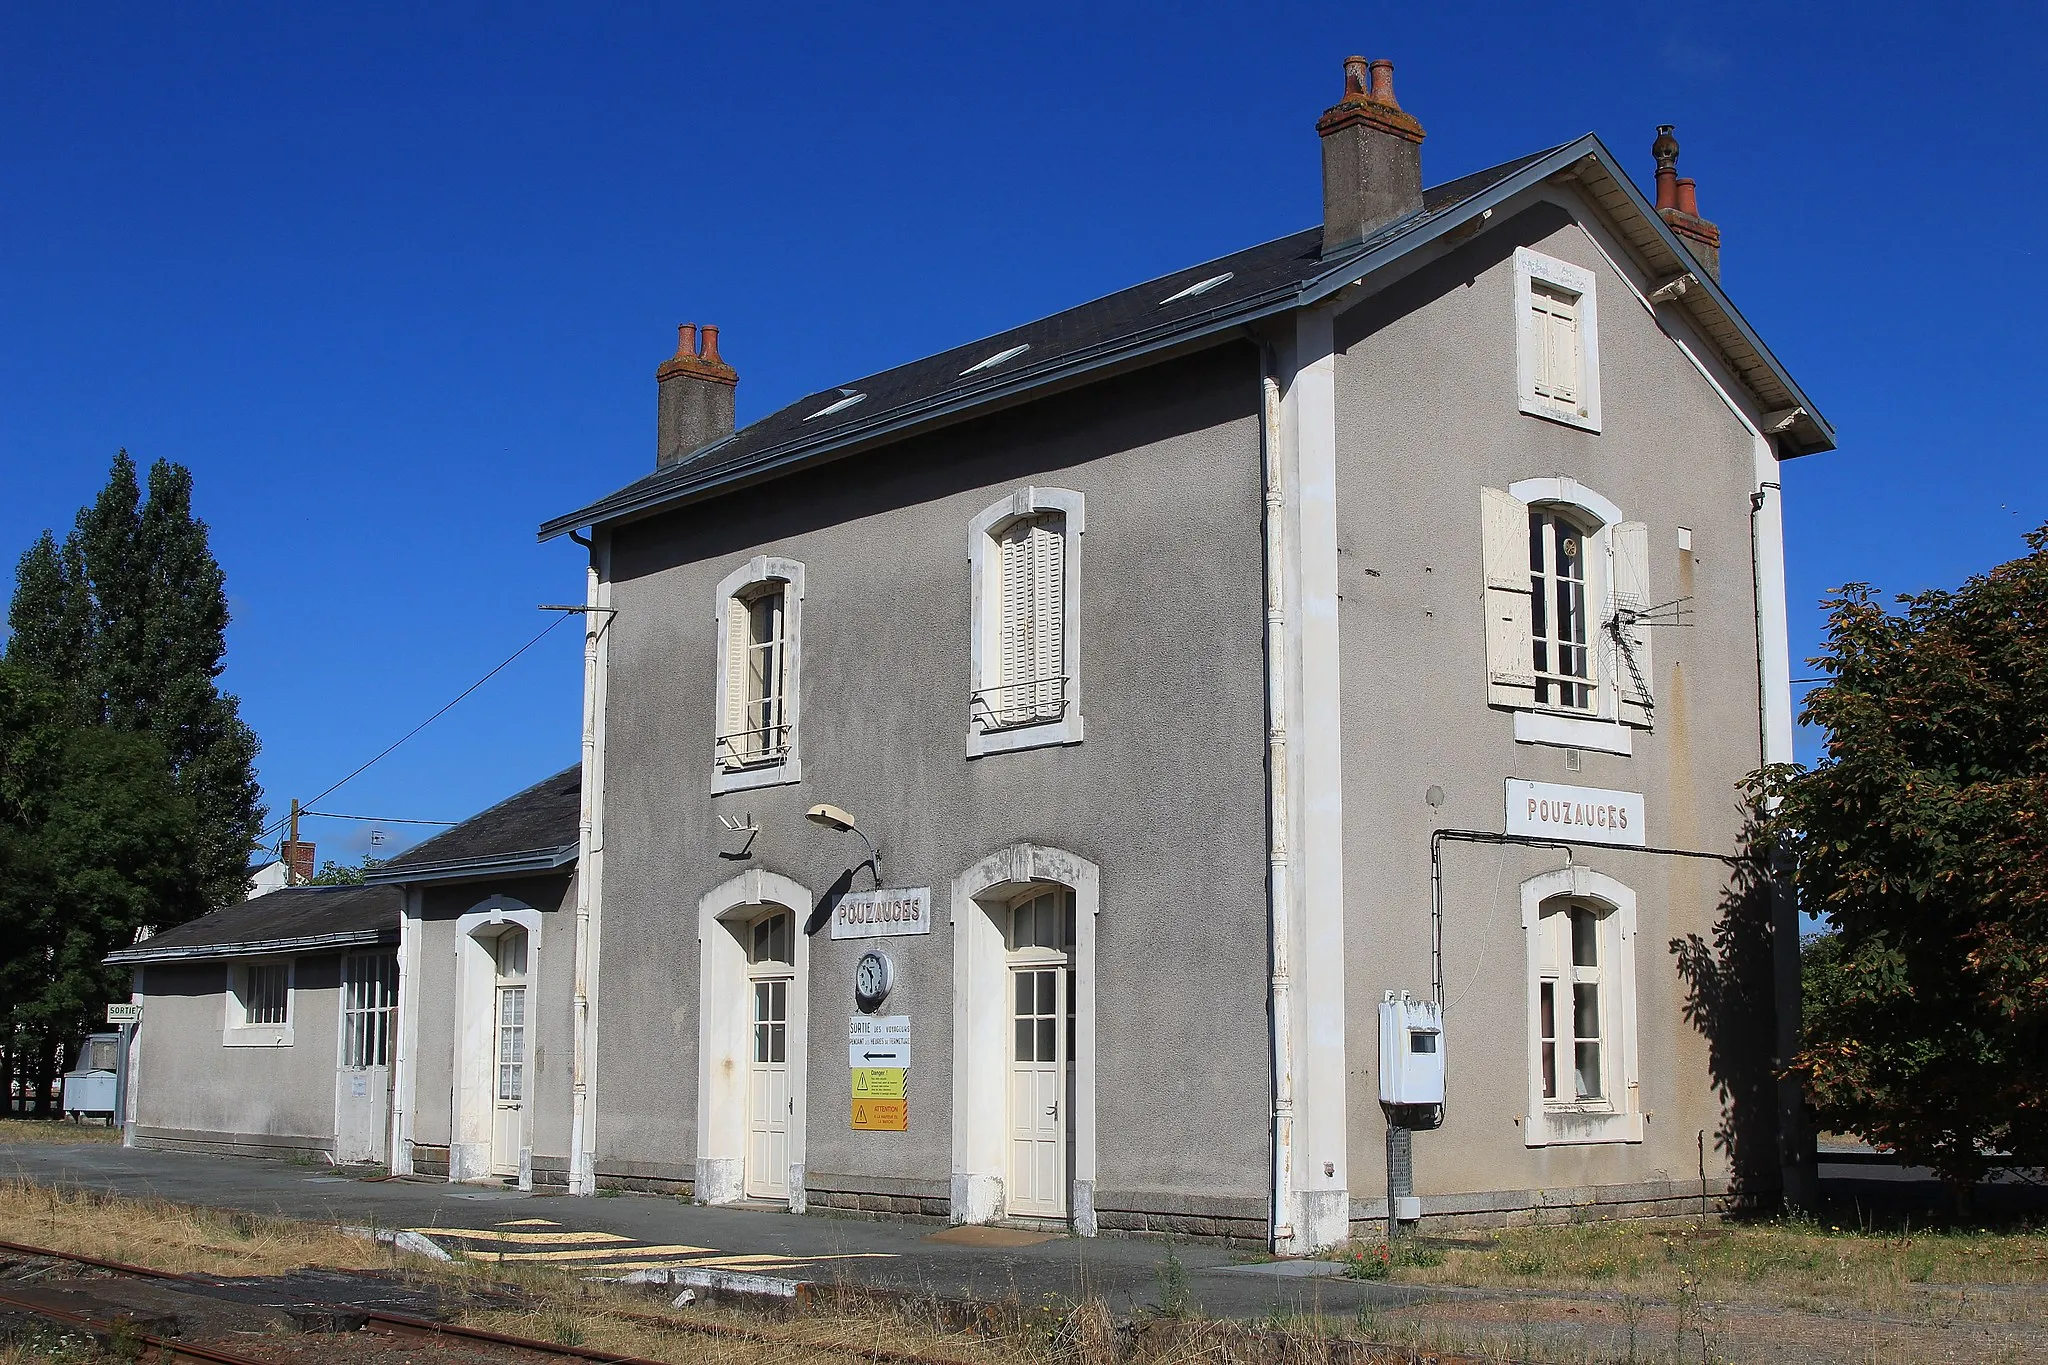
[[753, 991], [497, 963]]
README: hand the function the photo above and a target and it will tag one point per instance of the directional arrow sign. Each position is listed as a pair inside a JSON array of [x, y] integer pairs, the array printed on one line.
[[883, 1041]]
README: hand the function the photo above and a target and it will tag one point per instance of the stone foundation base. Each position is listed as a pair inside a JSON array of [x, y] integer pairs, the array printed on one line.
[[233, 1144], [1576, 1204]]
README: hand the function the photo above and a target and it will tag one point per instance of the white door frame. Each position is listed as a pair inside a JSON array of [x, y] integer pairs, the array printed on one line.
[[476, 1034], [981, 1028], [725, 1031]]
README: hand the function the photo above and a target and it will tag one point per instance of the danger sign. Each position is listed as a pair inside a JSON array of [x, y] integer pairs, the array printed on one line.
[[881, 1116]]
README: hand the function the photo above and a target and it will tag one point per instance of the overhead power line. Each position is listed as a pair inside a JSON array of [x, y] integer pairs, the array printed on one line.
[[372, 819], [385, 752]]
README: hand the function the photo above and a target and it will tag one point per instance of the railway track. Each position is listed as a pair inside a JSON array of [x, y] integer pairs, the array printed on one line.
[[140, 1314]]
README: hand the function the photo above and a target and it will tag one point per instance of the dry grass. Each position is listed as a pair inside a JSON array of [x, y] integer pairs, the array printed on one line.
[[174, 1237], [55, 1130]]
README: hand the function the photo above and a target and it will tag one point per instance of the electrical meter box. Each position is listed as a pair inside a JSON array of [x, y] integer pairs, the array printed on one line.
[[1411, 1051]]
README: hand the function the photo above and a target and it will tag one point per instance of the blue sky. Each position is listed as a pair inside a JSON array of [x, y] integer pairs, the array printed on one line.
[[393, 281]]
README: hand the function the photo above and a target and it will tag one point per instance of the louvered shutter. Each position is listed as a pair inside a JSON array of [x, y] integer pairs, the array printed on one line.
[[1504, 550], [1633, 677], [1048, 615], [1013, 625], [735, 748]]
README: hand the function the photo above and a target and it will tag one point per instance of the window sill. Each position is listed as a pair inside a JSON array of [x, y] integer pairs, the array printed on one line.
[[1553, 412], [1578, 1127], [748, 779], [981, 742], [1573, 732], [257, 1035]]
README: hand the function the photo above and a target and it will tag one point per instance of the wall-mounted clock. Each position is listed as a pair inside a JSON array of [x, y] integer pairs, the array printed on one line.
[[873, 976]]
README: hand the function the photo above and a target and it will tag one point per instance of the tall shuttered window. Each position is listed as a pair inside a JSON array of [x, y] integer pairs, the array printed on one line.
[[1025, 690], [759, 615], [1557, 340], [1030, 685], [1559, 650]]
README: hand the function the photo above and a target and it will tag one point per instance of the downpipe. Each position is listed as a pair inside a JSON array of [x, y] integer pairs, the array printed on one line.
[[581, 1166], [1278, 878]]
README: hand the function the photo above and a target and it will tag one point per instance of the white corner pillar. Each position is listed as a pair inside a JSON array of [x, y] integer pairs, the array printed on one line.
[[1312, 1194], [597, 648]]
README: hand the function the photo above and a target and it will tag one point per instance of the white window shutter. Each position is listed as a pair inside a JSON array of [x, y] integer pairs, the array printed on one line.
[[1504, 551], [1048, 610], [735, 718], [1630, 541]]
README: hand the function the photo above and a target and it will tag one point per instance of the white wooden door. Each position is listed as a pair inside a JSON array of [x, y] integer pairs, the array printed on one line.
[[508, 1126], [769, 1103], [1039, 1100]]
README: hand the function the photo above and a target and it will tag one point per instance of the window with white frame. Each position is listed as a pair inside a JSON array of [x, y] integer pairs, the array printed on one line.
[[1556, 340], [369, 1005], [1025, 657], [1567, 586], [1583, 1085], [259, 1004], [759, 617]]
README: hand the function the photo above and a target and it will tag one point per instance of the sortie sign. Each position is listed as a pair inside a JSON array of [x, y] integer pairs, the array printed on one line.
[[1588, 815], [883, 914]]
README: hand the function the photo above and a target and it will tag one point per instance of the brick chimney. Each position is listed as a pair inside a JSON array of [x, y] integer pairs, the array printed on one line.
[[1678, 204], [1372, 157], [696, 392], [298, 862]]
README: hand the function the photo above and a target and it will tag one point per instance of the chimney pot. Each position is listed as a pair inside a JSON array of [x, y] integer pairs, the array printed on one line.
[[1372, 157], [1383, 83], [1688, 196], [1678, 204], [1665, 149], [694, 406]]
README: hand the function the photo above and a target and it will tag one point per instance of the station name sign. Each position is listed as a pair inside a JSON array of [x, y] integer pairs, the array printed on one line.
[[1589, 815], [883, 914]]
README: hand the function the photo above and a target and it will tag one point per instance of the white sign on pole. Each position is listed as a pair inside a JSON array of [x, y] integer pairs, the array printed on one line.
[[878, 1041], [1586, 814], [883, 914], [124, 1014]]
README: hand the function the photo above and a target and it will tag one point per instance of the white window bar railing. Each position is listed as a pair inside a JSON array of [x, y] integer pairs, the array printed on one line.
[[1006, 706]]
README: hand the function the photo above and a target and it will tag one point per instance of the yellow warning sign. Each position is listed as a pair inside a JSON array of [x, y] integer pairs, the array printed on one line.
[[881, 1116], [878, 1082]]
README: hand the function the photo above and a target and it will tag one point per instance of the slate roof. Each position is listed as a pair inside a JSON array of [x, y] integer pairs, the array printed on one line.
[[533, 831], [291, 919], [1287, 272]]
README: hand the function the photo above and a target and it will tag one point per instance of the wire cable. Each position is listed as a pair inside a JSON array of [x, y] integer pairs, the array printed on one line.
[[385, 752]]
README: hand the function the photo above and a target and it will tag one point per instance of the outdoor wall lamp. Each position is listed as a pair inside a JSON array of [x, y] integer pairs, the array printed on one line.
[[832, 817]]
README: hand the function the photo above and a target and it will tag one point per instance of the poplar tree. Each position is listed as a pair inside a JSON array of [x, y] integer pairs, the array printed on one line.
[[128, 616]]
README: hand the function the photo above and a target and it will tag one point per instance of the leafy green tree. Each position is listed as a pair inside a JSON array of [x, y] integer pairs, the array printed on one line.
[[93, 837], [129, 614], [332, 873], [1922, 835]]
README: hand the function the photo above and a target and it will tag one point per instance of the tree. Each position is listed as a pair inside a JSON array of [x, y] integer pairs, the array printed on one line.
[[1922, 834], [130, 615], [93, 838], [332, 873]]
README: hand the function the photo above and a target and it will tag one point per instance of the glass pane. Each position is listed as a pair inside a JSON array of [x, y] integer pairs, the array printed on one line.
[[1587, 1060], [1067, 937], [1586, 1011], [760, 1042], [1023, 993], [1549, 1071], [1585, 938], [1024, 1040], [1046, 1003], [760, 1000], [779, 1001], [1048, 1039], [777, 1042]]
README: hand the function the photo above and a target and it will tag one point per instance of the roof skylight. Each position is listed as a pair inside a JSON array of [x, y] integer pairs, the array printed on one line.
[[998, 358], [1198, 287], [841, 406]]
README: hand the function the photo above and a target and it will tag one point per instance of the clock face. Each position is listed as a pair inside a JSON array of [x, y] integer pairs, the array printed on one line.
[[872, 978]]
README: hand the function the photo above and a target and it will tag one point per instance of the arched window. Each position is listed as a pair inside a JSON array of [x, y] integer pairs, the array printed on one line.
[[1583, 1087], [1567, 587], [759, 614], [1025, 657]]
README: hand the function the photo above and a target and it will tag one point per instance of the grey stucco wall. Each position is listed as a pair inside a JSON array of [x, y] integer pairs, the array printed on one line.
[[1427, 415], [549, 1010], [1166, 794], [193, 1087]]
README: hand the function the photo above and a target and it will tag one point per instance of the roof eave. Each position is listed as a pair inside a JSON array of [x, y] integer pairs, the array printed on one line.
[[199, 952], [524, 862]]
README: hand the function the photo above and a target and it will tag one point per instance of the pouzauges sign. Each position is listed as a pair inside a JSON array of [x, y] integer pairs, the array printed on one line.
[[883, 914], [1589, 815]]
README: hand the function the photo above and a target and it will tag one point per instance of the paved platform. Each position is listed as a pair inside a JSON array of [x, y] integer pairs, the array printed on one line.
[[614, 1235]]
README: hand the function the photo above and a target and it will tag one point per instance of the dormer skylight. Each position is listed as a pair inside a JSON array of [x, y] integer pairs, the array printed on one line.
[[841, 406], [998, 358], [1198, 287]]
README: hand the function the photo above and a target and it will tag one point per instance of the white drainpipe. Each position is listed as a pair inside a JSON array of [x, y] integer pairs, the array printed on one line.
[[589, 871], [1278, 891]]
